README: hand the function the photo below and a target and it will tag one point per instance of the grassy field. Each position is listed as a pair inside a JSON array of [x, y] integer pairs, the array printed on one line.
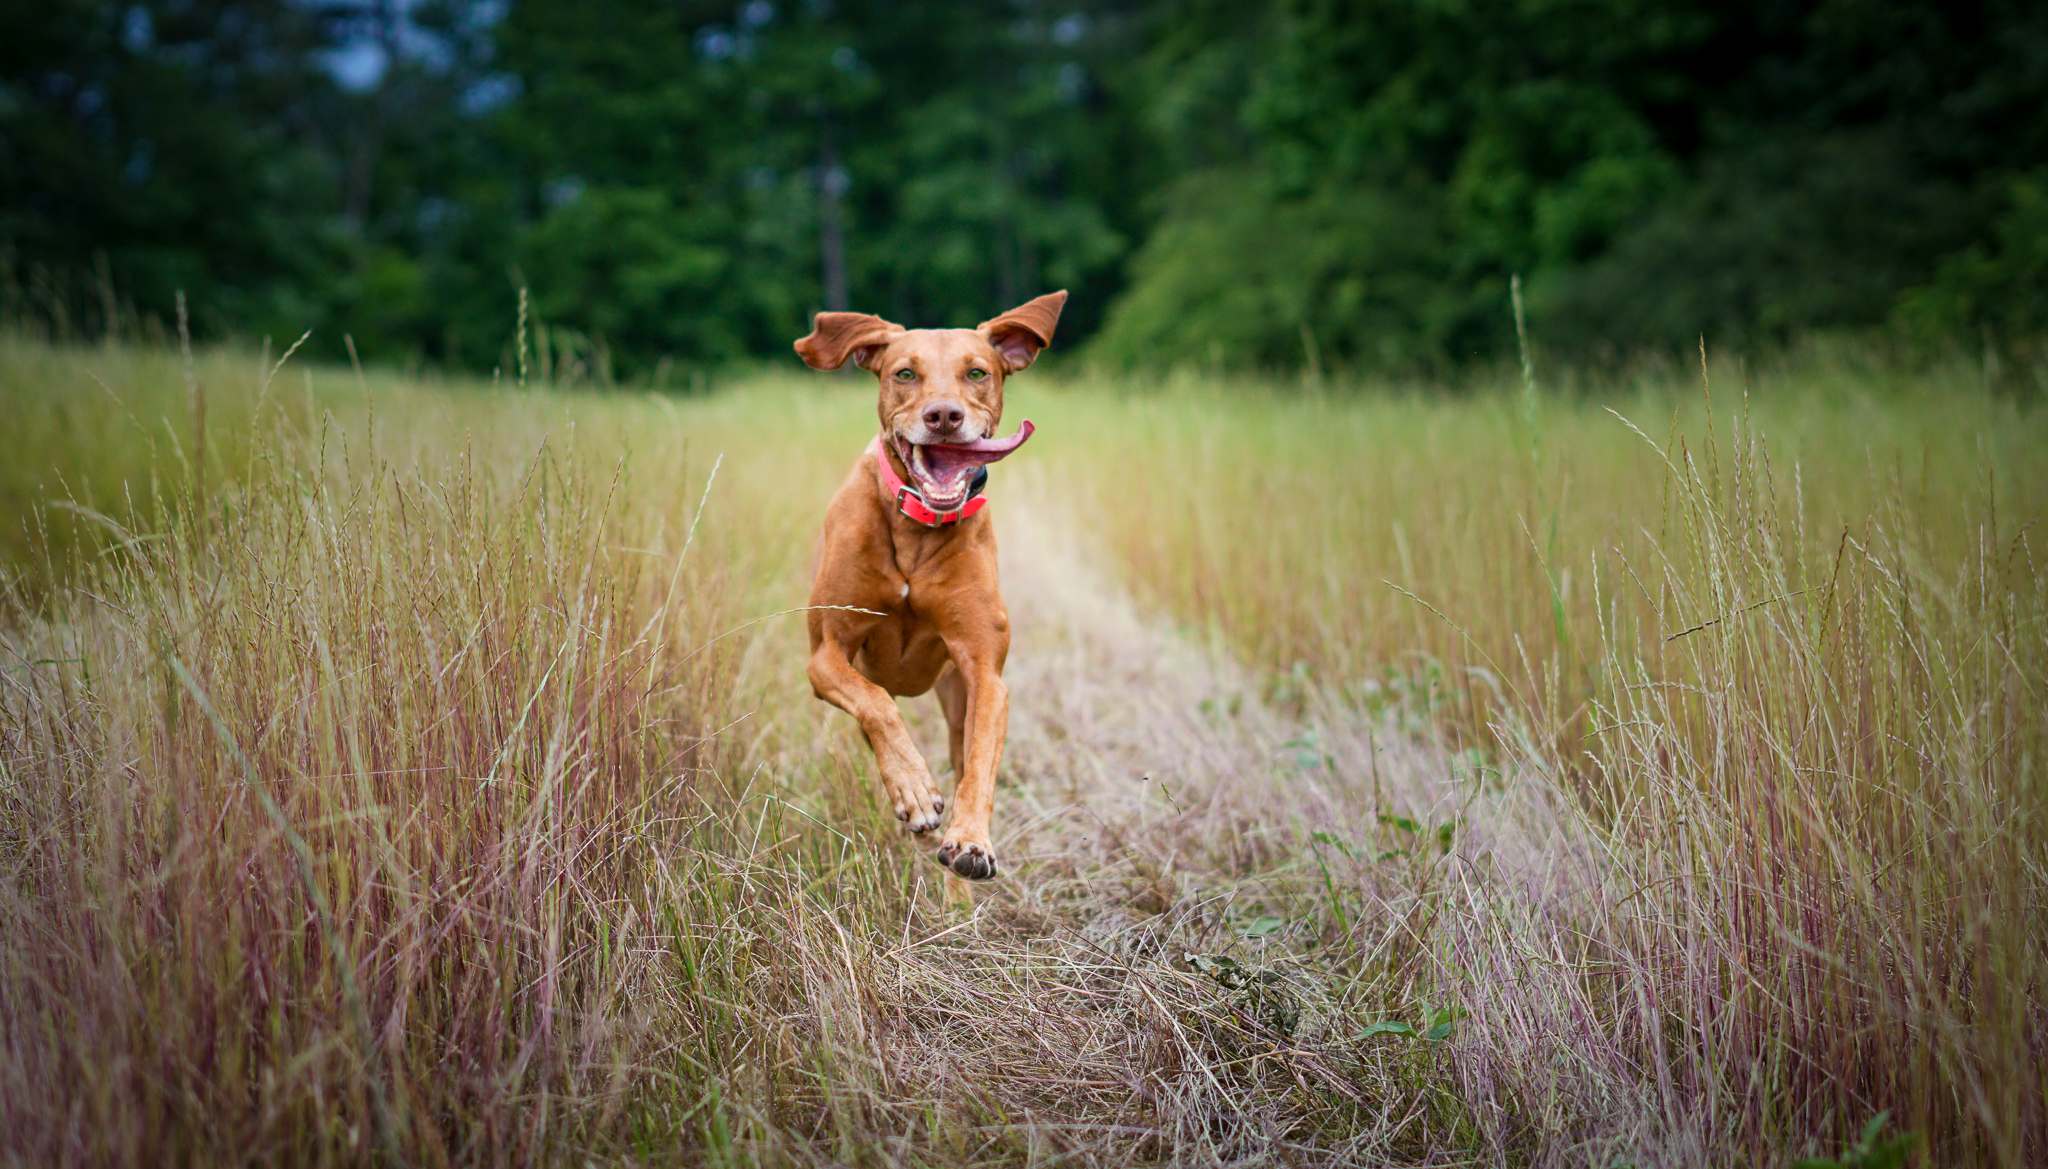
[[413, 772]]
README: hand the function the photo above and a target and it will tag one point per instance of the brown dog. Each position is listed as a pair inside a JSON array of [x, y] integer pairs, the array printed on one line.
[[904, 538]]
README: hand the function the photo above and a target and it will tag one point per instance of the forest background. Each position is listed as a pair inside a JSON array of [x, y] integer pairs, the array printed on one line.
[[1346, 185]]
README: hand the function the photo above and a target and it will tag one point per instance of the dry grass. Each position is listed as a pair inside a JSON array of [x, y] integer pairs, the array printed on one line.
[[398, 798], [1796, 691]]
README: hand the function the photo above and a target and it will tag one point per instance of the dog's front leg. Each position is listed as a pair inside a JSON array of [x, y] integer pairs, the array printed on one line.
[[905, 777], [966, 847]]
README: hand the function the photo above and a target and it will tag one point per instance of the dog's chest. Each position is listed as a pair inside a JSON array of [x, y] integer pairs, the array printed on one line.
[[927, 566], [911, 602]]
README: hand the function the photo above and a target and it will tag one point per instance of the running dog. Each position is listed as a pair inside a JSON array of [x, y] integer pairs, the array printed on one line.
[[908, 541]]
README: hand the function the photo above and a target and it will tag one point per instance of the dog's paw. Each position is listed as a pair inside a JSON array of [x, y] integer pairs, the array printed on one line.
[[974, 861], [918, 819]]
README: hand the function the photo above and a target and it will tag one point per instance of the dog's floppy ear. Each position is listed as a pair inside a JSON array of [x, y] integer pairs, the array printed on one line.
[[1020, 333], [838, 336]]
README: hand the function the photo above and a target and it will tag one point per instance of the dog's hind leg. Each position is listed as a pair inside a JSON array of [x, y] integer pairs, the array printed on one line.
[[966, 848]]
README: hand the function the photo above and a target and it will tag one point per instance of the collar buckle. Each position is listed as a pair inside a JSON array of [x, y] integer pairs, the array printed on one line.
[[912, 505]]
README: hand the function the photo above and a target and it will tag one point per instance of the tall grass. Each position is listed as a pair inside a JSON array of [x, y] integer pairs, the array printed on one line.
[[1831, 771], [1315, 533], [104, 428], [333, 804], [1785, 651], [410, 780]]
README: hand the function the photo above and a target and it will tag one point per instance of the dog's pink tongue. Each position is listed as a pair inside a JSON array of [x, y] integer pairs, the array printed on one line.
[[981, 452]]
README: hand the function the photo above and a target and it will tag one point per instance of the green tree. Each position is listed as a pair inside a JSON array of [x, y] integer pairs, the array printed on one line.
[[151, 146], [1344, 182], [1653, 171], [752, 164]]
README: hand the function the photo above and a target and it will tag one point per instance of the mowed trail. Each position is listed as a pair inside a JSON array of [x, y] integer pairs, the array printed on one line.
[[1154, 800], [1118, 718]]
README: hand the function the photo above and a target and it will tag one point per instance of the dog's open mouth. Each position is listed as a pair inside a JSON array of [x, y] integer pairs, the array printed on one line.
[[943, 473]]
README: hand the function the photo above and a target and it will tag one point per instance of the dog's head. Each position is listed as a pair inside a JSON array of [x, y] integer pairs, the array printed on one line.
[[941, 389]]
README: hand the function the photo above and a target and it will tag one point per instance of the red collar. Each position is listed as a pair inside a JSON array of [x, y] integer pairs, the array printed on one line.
[[907, 497]]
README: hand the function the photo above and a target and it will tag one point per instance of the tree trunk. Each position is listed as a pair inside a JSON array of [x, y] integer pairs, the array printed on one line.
[[832, 183]]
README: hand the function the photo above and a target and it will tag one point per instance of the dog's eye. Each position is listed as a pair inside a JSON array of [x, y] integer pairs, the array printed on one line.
[[906, 374], [975, 375]]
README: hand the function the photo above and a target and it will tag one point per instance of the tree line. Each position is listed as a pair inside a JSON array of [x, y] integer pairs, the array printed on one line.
[[1354, 184]]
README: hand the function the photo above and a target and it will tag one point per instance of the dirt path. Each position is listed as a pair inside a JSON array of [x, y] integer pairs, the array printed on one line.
[[1118, 716], [1143, 766]]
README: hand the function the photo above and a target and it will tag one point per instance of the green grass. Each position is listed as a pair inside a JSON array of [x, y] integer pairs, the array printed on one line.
[[400, 774]]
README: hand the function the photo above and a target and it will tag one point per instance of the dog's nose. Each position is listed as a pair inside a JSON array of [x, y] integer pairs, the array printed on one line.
[[944, 417]]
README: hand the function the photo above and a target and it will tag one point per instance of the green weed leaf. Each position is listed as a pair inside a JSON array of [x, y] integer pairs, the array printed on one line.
[[1334, 841], [1387, 1027], [1440, 1021], [1868, 1152]]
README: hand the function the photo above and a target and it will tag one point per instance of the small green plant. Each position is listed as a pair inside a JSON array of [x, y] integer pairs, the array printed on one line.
[[1308, 751], [1436, 1025], [1868, 1152], [1263, 926], [1444, 833]]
